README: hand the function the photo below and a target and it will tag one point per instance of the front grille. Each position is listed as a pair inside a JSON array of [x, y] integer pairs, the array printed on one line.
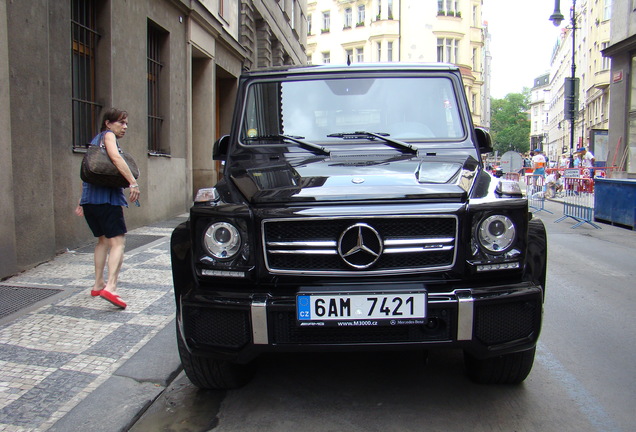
[[393, 244], [506, 322], [217, 327], [285, 330]]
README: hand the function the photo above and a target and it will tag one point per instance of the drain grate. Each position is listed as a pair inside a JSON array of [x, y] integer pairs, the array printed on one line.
[[133, 241], [13, 298]]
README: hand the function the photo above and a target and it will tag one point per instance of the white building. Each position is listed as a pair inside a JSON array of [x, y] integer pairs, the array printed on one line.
[[449, 31], [539, 116]]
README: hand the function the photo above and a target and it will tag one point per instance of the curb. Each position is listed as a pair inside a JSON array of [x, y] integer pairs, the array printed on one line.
[[123, 398]]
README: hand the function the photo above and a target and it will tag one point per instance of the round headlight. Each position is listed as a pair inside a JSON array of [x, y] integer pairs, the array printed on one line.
[[222, 240], [496, 233]]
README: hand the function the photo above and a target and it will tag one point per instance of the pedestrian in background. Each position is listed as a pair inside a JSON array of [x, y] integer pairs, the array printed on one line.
[[538, 163], [102, 207], [553, 185], [587, 160]]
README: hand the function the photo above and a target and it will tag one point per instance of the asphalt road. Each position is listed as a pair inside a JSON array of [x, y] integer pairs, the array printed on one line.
[[583, 379]]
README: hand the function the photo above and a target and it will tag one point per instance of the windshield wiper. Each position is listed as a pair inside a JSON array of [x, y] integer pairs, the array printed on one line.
[[397, 144], [298, 140]]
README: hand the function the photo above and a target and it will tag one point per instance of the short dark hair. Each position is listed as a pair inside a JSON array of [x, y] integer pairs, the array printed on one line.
[[112, 115]]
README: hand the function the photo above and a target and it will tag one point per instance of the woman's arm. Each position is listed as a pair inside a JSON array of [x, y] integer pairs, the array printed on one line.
[[110, 143]]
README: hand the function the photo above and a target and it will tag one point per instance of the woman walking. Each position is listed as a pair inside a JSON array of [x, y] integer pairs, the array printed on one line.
[[102, 207]]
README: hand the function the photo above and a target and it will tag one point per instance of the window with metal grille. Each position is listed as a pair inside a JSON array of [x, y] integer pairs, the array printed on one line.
[[156, 40], [84, 39]]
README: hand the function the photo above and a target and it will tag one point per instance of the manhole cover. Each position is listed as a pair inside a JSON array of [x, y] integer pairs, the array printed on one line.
[[13, 298]]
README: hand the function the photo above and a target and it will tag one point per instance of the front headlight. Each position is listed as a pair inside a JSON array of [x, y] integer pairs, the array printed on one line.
[[496, 233], [222, 240]]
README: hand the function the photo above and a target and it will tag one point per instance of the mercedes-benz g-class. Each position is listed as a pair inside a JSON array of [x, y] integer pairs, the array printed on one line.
[[354, 212]]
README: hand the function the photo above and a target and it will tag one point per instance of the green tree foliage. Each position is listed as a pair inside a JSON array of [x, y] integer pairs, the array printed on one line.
[[509, 123]]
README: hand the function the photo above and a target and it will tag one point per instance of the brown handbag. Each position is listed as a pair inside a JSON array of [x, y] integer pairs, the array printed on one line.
[[98, 169]]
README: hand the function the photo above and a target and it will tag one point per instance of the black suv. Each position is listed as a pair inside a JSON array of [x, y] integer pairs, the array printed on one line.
[[355, 212]]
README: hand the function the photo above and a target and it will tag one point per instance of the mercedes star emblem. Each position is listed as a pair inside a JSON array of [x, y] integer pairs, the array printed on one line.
[[360, 246]]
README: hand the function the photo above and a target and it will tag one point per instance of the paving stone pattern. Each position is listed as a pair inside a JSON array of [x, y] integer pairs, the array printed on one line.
[[53, 357]]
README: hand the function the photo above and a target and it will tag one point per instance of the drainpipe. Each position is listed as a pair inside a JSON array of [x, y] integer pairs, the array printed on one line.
[[400, 31]]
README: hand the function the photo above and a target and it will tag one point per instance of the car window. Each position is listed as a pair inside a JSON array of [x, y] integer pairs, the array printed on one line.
[[403, 108]]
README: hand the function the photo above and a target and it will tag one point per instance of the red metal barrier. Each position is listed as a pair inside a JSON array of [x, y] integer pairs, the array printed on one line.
[[601, 171], [575, 185]]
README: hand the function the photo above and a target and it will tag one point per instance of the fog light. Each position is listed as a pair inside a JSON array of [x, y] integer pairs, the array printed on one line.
[[222, 273], [497, 266]]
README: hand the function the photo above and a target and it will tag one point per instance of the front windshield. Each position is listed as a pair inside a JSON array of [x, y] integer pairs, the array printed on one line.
[[405, 108]]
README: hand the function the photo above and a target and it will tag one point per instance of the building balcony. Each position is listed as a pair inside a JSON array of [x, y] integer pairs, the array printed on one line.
[[385, 27], [602, 79], [449, 25]]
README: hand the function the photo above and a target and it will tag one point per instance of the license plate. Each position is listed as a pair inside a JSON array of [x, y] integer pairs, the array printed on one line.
[[399, 308]]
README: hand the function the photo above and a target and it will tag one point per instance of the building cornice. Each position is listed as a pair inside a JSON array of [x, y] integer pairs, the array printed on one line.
[[620, 47]]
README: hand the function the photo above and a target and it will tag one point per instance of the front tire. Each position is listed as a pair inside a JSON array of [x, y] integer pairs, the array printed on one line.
[[212, 374], [505, 369]]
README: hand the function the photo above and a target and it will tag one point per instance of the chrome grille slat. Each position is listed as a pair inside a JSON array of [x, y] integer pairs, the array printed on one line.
[[400, 242], [304, 243], [418, 250], [304, 251]]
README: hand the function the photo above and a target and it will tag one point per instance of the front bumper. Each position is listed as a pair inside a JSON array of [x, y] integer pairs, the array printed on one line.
[[485, 322]]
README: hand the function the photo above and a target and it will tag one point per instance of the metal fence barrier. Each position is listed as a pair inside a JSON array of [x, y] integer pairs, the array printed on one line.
[[535, 192], [512, 176], [578, 202]]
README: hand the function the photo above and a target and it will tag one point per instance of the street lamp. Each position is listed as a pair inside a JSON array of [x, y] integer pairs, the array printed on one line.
[[557, 16], [571, 90]]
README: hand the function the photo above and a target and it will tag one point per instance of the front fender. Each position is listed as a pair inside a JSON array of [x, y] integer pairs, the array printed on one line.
[[535, 269], [181, 259]]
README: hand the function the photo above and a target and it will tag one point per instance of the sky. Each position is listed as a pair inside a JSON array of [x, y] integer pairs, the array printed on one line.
[[522, 39]]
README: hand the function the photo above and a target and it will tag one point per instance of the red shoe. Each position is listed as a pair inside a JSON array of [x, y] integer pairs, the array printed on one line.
[[112, 298], [95, 293]]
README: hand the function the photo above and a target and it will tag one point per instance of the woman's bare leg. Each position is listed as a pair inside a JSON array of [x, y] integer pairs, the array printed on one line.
[[99, 258], [117, 246]]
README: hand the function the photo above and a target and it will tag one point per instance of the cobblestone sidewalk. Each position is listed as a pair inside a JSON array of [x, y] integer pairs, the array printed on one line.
[[53, 357]]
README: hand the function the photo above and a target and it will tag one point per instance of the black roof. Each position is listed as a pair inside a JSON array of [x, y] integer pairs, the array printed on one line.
[[358, 67]]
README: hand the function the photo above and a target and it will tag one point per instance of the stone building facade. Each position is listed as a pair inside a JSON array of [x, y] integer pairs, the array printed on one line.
[[172, 64], [591, 113], [622, 109]]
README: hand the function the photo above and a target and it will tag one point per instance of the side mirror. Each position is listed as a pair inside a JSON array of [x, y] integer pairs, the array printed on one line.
[[484, 140], [219, 151]]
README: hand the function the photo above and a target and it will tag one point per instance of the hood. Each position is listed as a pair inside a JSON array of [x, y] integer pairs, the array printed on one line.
[[354, 178]]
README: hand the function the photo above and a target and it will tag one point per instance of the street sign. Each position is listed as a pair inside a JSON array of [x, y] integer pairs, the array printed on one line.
[[511, 161]]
